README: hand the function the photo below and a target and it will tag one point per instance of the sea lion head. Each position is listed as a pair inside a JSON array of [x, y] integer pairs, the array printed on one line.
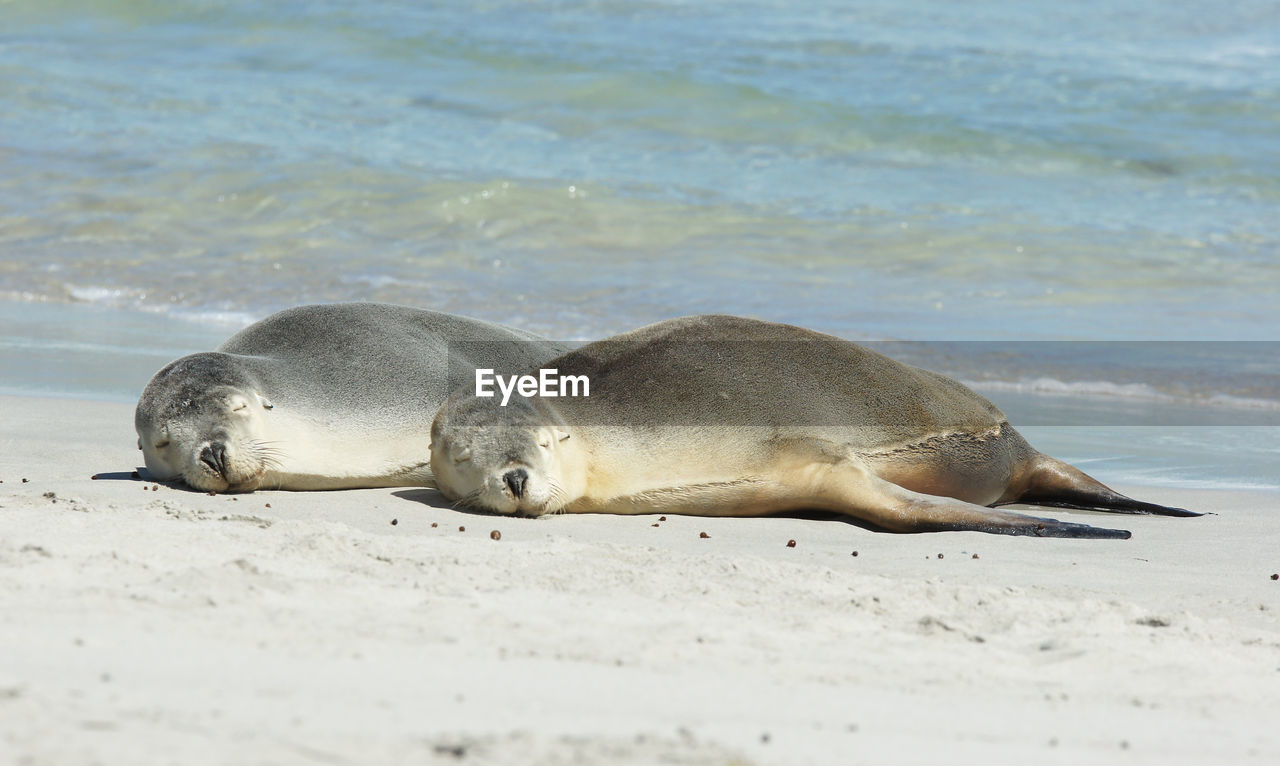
[[509, 460], [202, 419]]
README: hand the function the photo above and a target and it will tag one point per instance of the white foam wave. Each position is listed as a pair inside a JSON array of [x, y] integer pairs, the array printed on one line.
[[1128, 391], [46, 346], [375, 280], [1076, 388], [1240, 52], [111, 296], [1169, 479], [136, 300], [226, 318], [1241, 402]]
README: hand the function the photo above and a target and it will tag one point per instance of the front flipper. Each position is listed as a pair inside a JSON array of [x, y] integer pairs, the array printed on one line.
[[1005, 523], [871, 499]]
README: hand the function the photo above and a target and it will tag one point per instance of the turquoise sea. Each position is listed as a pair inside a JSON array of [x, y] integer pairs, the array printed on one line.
[[987, 184]]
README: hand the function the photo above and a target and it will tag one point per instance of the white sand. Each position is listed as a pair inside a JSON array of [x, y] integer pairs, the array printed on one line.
[[168, 626]]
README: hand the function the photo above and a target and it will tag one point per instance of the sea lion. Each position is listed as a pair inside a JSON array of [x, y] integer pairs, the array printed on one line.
[[319, 397], [725, 416]]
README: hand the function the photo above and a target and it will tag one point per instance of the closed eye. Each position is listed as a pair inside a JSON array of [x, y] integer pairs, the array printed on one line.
[[162, 445], [462, 456]]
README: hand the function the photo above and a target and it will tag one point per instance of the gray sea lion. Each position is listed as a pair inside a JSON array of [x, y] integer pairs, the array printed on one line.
[[725, 416], [319, 397]]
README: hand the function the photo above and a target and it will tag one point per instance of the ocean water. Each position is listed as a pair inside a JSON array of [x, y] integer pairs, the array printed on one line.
[[992, 182]]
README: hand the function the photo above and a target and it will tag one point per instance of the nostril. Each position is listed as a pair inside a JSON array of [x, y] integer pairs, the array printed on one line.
[[214, 455], [515, 480]]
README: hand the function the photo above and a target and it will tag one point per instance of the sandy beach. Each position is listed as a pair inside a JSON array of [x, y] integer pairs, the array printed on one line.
[[1069, 208], [144, 623]]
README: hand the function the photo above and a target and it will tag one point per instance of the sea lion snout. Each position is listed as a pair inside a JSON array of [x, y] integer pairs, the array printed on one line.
[[515, 479], [214, 455]]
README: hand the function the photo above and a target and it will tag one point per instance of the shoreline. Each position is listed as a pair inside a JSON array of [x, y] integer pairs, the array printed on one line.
[[152, 625]]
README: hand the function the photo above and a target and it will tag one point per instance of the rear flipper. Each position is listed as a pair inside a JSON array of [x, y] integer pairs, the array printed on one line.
[[1055, 484]]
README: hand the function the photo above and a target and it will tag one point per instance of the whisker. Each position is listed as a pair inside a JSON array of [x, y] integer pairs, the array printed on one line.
[[468, 500], [269, 456], [558, 497]]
